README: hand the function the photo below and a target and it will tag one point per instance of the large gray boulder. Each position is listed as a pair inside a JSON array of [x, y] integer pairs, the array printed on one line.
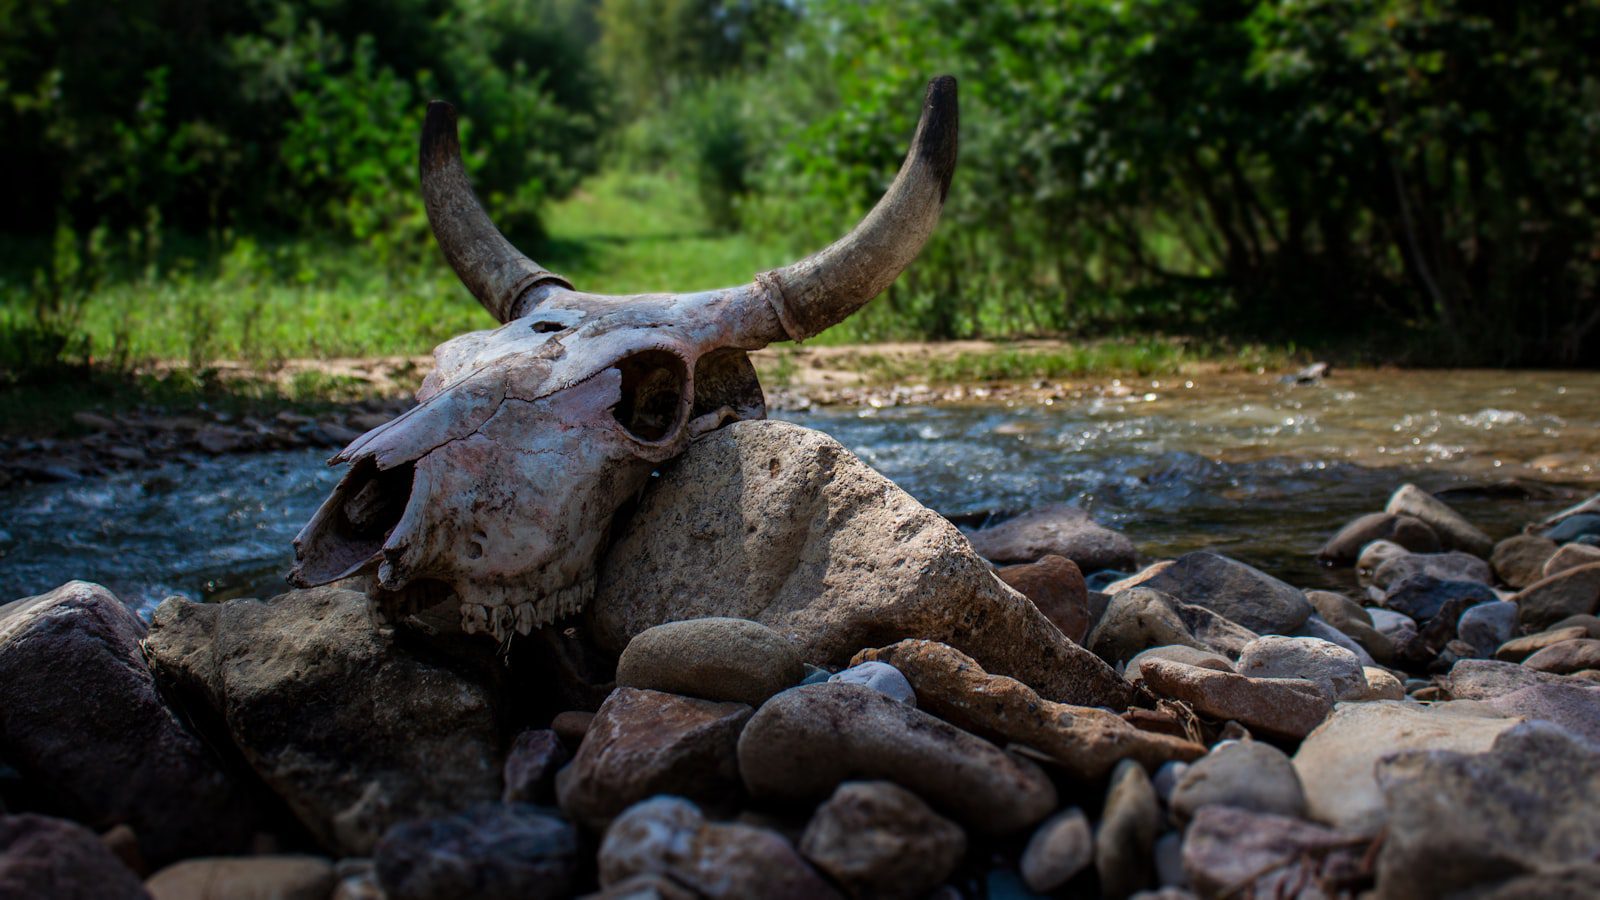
[[354, 733], [81, 721], [782, 525]]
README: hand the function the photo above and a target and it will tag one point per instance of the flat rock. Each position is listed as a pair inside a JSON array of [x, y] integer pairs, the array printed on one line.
[[1237, 852], [1124, 845], [1206, 659], [714, 658], [643, 743], [44, 857], [1572, 592], [1574, 528], [877, 839], [806, 741], [1061, 847], [669, 836], [1139, 618], [1085, 741], [1344, 548], [1451, 566], [1460, 820], [354, 733], [1244, 774], [1573, 707], [1485, 679], [491, 851], [245, 878], [1280, 707], [1059, 530], [1518, 649], [1571, 556], [1454, 531], [1566, 657], [1237, 592], [769, 521], [1055, 584], [1519, 560], [1333, 668], [83, 723], [1335, 762]]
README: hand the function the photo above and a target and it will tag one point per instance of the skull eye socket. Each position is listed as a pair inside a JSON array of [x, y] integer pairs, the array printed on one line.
[[652, 406]]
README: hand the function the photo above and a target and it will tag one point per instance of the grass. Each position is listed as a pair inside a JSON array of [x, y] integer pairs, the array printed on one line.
[[1148, 356]]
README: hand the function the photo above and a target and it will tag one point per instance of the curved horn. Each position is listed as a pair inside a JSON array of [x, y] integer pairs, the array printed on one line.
[[498, 274], [825, 287]]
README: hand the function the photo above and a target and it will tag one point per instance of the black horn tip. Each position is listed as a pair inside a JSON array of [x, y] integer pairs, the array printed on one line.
[[440, 146], [938, 135]]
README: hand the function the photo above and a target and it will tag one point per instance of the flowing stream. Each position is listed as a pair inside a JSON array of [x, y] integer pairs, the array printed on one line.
[[1251, 467]]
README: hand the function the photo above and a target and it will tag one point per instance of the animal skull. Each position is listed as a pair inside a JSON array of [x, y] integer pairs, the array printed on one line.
[[497, 489]]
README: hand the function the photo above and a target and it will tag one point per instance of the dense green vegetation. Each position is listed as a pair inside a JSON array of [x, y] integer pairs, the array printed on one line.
[[1414, 179]]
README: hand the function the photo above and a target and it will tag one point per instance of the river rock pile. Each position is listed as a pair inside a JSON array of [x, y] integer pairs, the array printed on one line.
[[796, 682]]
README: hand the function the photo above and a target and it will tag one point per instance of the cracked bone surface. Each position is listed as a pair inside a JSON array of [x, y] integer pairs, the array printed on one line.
[[495, 492]]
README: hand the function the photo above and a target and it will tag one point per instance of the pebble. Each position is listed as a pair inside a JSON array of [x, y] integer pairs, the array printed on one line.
[[1239, 593], [1169, 861], [1571, 592], [1451, 566], [1397, 627], [1333, 668], [1488, 625], [1139, 618], [1519, 560], [669, 836], [1125, 843], [1423, 596], [1353, 620], [1454, 531], [1177, 653], [881, 677], [1335, 762], [1570, 556], [1055, 585], [1275, 856], [278, 877], [571, 726], [1060, 530], [531, 765], [648, 742], [1573, 707], [1566, 657], [712, 658], [1573, 528], [1518, 649], [491, 851], [807, 740], [1316, 628], [45, 857], [1245, 774], [1372, 558], [1085, 741], [1344, 548], [1061, 847], [1280, 707], [1382, 685], [815, 675], [877, 839]]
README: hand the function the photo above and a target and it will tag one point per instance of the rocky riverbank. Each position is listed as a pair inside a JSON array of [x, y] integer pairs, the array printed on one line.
[[795, 681]]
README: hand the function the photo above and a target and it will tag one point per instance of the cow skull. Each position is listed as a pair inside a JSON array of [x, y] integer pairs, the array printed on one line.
[[497, 489]]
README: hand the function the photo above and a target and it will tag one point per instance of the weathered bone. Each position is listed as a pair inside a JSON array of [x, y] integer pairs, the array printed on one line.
[[497, 489]]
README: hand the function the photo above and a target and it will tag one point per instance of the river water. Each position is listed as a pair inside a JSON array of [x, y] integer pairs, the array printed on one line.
[[1244, 464]]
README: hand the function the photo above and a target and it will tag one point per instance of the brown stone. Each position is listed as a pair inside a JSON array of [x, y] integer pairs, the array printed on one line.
[[571, 726], [244, 878], [877, 839], [782, 525], [1571, 556], [1519, 560], [1571, 592], [1087, 742], [1485, 679], [1566, 657], [1280, 707], [1235, 852], [807, 740], [1055, 585], [643, 743], [1518, 649], [712, 658], [1411, 533], [41, 857]]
